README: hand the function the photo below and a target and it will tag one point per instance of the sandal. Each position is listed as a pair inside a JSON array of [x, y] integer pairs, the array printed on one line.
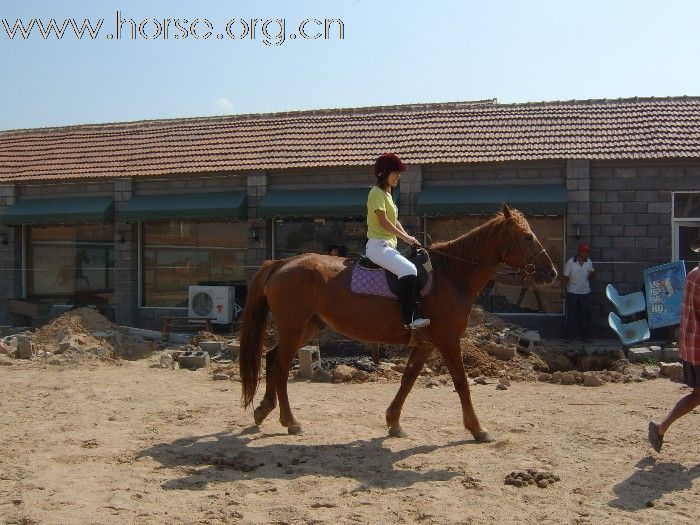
[[655, 439]]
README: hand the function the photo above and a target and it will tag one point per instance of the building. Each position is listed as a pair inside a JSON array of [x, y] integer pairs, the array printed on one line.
[[133, 213]]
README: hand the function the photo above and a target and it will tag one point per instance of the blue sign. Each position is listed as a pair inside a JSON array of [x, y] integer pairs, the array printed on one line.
[[664, 293]]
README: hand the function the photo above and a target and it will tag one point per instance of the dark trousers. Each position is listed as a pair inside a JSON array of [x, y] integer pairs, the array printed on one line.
[[578, 314]]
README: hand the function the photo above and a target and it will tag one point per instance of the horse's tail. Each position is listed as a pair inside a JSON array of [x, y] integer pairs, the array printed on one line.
[[253, 330]]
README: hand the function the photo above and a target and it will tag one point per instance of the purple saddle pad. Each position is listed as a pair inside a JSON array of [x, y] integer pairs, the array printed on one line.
[[365, 281]]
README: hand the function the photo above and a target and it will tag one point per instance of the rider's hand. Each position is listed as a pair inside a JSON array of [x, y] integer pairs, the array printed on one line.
[[411, 241]]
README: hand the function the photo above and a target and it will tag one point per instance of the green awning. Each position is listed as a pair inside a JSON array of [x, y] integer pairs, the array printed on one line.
[[219, 205], [76, 210], [477, 200], [313, 204]]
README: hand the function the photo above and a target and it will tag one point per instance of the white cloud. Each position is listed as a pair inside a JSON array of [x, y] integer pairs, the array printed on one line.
[[224, 105]]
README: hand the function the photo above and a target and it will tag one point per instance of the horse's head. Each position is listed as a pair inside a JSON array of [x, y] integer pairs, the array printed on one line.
[[522, 249]]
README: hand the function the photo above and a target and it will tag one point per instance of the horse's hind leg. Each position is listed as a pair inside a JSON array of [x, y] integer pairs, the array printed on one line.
[[291, 340], [452, 354], [269, 401], [413, 367]]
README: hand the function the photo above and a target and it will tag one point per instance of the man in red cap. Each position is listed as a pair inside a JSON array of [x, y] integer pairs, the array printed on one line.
[[577, 273], [689, 353]]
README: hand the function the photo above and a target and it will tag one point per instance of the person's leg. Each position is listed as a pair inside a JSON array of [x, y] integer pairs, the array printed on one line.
[[584, 308], [569, 320], [381, 253], [685, 405]]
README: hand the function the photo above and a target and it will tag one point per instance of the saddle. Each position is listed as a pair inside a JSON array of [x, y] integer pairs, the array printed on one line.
[[368, 278]]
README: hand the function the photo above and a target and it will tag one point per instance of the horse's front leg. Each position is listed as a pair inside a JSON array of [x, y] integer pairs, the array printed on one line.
[[452, 354], [413, 367]]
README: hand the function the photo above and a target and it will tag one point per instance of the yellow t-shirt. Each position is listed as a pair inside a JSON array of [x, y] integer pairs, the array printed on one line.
[[378, 199]]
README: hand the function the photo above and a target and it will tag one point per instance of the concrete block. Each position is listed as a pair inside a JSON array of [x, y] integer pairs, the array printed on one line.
[[193, 360], [524, 342], [309, 361], [656, 351], [211, 347], [639, 354], [674, 371], [669, 354]]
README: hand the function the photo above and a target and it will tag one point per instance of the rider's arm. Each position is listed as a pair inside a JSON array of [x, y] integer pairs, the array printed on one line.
[[381, 217]]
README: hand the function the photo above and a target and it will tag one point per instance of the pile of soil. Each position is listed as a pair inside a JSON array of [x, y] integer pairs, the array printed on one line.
[[84, 334]]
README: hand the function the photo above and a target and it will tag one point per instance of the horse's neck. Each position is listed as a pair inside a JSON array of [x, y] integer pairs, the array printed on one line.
[[483, 252]]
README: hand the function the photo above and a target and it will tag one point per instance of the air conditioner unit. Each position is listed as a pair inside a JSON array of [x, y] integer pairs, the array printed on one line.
[[217, 302]]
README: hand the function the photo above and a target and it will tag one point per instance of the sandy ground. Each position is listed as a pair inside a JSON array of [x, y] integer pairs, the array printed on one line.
[[101, 443]]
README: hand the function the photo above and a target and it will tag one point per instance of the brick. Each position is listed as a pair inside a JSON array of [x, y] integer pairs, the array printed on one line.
[[635, 230], [625, 173], [659, 207], [649, 172], [636, 207], [646, 242], [623, 242], [578, 195], [646, 218], [647, 196], [658, 230], [604, 218], [626, 195], [599, 196], [612, 207], [612, 231]]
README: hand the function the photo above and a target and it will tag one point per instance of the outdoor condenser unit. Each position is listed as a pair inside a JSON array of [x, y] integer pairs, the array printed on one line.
[[217, 302]]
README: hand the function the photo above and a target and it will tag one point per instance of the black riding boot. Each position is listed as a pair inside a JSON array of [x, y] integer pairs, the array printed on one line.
[[407, 299]]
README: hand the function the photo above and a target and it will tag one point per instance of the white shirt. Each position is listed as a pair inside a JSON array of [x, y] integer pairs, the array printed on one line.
[[578, 276]]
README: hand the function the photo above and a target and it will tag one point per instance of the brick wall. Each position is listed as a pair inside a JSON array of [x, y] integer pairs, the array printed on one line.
[[631, 221]]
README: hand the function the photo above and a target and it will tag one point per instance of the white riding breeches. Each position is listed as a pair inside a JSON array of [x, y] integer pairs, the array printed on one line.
[[382, 253]]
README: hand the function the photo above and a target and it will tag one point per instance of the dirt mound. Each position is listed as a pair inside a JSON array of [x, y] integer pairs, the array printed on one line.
[[85, 334]]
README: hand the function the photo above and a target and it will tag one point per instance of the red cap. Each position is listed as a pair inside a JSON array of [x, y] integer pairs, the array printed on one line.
[[387, 163], [583, 247]]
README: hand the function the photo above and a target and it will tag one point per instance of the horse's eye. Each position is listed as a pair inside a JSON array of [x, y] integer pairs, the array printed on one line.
[[529, 237]]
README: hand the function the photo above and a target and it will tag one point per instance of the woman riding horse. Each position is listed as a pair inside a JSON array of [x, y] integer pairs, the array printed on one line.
[[383, 227]]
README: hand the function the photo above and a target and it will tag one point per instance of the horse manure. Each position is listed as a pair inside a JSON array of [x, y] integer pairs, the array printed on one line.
[[523, 478]]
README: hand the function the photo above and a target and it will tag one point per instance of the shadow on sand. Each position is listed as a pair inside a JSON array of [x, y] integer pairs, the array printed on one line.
[[650, 481], [229, 457]]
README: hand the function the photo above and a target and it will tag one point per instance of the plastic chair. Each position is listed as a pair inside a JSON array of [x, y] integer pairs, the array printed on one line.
[[629, 333], [626, 304]]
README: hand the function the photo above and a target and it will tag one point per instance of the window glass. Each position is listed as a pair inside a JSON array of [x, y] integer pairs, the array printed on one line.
[[177, 254], [508, 292], [64, 260], [686, 205], [293, 237]]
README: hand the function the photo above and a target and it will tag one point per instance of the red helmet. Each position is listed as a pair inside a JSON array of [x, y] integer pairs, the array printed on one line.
[[584, 247], [386, 163]]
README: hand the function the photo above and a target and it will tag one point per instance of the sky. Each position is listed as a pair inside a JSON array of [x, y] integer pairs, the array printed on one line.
[[391, 52]]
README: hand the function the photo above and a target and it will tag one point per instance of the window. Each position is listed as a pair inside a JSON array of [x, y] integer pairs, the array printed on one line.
[[293, 237], [177, 254], [66, 260], [508, 292], [686, 226], [686, 205]]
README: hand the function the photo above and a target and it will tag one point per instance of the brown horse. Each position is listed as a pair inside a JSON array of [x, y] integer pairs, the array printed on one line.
[[307, 291]]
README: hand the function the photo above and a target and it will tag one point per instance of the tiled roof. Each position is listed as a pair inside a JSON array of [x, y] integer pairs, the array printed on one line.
[[651, 128]]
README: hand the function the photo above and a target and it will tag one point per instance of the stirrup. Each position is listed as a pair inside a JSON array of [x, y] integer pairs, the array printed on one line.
[[417, 323]]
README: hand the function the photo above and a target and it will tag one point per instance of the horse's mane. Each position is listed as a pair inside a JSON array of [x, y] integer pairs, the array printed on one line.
[[467, 247]]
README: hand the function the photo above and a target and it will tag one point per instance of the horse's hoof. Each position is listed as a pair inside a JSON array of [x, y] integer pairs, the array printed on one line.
[[397, 432], [484, 437], [294, 430], [259, 415]]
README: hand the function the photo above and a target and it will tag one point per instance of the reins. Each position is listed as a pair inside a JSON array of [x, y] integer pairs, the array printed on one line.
[[526, 271]]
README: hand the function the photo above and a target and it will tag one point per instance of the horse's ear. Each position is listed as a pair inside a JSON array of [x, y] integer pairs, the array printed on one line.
[[506, 210]]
